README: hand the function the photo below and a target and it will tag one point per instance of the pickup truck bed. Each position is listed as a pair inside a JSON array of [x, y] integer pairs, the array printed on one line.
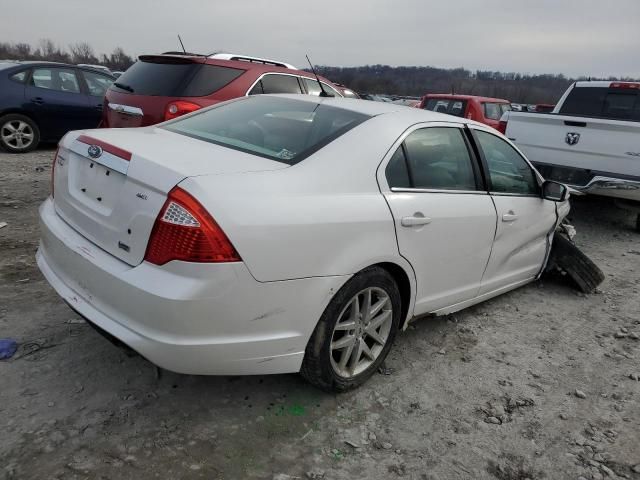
[[591, 141]]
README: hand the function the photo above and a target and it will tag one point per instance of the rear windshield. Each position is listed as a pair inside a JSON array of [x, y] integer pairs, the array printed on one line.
[[602, 102], [447, 105], [174, 79], [280, 129]]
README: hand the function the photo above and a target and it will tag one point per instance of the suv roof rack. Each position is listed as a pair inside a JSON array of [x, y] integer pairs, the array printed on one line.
[[247, 58], [184, 54]]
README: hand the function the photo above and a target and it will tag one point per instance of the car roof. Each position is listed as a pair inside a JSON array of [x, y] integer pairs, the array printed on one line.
[[454, 96], [373, 109]]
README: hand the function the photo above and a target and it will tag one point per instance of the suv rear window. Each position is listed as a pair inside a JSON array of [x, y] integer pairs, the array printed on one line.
[[175, 79], [276, 128]]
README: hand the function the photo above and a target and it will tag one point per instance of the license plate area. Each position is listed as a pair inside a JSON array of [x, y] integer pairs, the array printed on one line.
[[95, 185]]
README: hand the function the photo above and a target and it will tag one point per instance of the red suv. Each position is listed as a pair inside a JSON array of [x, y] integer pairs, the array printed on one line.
[[161, 87], [481, 109]]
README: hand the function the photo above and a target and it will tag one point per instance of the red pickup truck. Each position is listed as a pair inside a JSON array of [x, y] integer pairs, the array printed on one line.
[[481, 109]]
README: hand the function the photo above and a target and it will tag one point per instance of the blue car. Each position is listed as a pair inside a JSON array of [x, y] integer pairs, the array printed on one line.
[[41, 101]]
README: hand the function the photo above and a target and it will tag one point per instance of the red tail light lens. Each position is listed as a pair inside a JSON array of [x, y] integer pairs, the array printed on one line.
[[185, 231], [178, 108], [502, 127], [627, 85]]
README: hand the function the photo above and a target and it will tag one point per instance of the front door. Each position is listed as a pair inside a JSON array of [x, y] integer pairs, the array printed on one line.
[[525, 219], [445, 221]]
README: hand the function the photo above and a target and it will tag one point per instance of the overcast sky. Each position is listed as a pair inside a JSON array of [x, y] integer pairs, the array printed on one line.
[[575, 37]]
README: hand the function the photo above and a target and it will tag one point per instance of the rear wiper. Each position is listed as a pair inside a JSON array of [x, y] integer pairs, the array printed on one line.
[[123, 86]]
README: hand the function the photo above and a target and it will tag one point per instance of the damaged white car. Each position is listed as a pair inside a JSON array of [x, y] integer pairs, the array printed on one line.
[[277, 234]]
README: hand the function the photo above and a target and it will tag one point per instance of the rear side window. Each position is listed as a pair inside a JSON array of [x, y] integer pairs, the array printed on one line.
[[438, 159], [179, 79], [396, 171], [619, 105], [276, 128], [314, 89], [492, 111], [19, 77], [276, 84]]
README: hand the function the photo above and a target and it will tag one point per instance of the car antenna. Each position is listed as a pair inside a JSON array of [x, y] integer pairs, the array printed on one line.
[[323, 92], [181, 44]]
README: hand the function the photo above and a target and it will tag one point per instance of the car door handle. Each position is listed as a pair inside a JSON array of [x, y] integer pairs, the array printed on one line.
[[98, 107], [415, 221], [38, 100], [509, 217]]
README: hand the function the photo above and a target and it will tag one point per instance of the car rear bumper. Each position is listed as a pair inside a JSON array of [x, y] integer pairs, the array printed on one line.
[[612, 187], [593, 182], [185, 317]]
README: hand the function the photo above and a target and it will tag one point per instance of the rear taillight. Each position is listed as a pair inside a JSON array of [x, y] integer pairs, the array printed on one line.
[[179, 107], [185, 231], [502, 127]]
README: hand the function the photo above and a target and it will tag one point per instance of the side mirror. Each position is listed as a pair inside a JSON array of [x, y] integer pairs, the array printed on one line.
[[554, 191]]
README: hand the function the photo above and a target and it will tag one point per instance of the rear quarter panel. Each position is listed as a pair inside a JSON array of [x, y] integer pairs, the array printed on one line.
[[324, 216]]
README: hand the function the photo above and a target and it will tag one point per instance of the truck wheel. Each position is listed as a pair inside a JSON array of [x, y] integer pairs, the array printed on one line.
[[355, 332], [18, 133], [567, 257], [638, 223]]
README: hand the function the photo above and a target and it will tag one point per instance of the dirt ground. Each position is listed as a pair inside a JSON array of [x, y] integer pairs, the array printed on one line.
[[488, 393]]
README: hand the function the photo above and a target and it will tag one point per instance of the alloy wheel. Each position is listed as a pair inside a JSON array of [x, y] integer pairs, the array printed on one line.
[[17, 134], [361, 332]]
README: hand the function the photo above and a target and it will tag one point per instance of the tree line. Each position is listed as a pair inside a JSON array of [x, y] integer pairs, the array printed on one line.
[[377, 79], [418, 81], [80, 52]]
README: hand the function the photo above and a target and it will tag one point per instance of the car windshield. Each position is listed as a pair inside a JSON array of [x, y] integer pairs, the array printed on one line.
[[281, 129]]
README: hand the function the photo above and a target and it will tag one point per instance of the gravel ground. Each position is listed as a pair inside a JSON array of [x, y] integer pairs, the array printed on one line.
[[539, 383]]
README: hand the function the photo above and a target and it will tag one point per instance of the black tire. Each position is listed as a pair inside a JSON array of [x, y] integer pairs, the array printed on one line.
[[317, 367], [638, 223], [13, 119], [567, 257]]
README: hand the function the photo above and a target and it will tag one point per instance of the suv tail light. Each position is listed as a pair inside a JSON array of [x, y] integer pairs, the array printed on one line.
[[185, 231], [502, 127], [178, 108]]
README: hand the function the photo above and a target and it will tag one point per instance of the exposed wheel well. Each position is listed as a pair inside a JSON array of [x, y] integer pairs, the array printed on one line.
[[404, 285]]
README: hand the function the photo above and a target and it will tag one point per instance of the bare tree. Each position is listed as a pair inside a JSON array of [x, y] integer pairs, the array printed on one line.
[[82, 52]]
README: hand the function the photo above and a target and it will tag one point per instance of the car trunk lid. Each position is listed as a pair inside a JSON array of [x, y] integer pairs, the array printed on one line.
[[110, 185]]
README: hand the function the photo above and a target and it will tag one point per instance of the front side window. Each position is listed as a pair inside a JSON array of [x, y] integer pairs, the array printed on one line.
[[508, 171], [97, 83], [60, 79], [434, 158], [276, 128], [276, 84]]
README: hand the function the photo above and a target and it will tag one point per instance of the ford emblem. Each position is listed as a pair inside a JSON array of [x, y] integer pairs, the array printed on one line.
[[94, 151]]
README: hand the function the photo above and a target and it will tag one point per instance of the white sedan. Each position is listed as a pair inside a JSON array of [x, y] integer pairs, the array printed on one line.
[[275, 234]]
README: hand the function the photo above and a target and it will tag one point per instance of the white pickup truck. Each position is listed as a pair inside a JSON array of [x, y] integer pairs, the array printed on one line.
[[591, 140]]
